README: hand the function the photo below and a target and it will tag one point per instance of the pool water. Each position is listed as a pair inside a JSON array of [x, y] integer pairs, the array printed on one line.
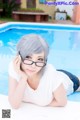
[[64, 50], [64, 46]]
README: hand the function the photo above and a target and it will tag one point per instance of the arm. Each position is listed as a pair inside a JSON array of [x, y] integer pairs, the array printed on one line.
[[16, 89], [16, 92], [60, 97]]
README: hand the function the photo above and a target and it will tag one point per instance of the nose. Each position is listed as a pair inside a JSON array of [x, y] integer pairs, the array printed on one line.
[[33, 65]]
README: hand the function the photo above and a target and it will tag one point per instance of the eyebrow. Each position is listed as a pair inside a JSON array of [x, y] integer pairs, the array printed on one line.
[[40, 56]]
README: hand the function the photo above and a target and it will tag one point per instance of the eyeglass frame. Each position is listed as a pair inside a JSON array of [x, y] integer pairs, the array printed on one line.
[[44, 63], [33, 62]]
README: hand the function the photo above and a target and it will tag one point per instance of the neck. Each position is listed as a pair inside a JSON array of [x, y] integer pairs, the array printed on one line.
[[35, 77]]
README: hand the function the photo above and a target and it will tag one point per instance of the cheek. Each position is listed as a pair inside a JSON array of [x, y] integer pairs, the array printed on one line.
[[23, 66], [39, 69]]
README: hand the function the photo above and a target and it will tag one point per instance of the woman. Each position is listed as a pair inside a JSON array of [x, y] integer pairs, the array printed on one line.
[[32, 80]]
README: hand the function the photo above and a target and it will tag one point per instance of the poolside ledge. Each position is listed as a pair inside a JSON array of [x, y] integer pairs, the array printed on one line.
[[30, 16]]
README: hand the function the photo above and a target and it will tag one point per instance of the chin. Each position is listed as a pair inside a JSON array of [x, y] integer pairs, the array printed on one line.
[[30, 73]]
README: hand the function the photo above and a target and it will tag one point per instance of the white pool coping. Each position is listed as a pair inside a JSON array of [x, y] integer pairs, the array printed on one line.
[[41, 24]]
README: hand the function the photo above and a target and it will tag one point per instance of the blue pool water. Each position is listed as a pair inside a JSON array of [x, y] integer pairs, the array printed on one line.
[[64, 43]]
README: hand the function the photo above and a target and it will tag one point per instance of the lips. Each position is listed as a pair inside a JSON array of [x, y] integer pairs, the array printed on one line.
[[30, 70]]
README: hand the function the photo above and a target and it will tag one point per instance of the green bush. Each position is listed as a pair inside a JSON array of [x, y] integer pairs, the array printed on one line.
[[30, 10], [8, 6], [68, 17]]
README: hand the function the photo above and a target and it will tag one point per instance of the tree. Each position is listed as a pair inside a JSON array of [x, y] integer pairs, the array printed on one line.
[[8, 6]]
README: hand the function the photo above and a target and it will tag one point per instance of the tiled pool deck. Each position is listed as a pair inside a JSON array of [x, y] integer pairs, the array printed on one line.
[[69, 22], [64, 22]]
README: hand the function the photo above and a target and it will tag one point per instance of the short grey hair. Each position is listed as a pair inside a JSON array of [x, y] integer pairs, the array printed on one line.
[[32, 43]]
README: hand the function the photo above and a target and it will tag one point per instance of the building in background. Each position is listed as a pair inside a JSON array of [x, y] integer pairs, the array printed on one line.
[[49, 9]]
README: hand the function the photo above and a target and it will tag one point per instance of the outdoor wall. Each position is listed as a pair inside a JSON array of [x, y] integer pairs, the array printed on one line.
[[48, 9], [23, 3]]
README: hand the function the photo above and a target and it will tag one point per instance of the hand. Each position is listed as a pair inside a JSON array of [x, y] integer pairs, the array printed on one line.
[[17, 63], [51, 103]]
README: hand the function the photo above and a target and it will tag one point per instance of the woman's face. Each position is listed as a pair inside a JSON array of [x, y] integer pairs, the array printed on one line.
[[33, 64]]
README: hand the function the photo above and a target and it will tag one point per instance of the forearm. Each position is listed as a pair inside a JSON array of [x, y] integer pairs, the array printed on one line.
[[56, 103], [16, 98]]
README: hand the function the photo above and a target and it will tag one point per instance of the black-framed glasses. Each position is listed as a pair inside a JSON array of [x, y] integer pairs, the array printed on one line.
[[30, 62]]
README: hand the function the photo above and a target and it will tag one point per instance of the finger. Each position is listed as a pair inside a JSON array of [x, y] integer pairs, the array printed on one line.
[[20, 57], [16, 61], [15, 58]]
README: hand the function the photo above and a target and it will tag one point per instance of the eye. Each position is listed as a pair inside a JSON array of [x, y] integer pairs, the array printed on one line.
[[28, 57], [40, 59]]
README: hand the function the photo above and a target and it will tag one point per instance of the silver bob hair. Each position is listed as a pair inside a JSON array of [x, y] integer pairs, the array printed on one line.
[[32, 44]]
